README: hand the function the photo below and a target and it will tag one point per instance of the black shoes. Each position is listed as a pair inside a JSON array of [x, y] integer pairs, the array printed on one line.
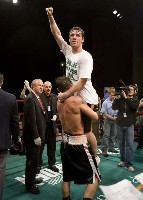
[[33, 189], [38, 180], [54, 168]]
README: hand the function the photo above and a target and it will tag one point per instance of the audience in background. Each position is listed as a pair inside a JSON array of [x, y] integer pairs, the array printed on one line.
[[106, 95], [140, 126]]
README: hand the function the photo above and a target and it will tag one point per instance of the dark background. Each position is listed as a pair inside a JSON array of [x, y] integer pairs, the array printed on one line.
[[28, 49]]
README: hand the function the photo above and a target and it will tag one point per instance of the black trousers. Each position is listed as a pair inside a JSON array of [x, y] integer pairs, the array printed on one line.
[[51, 144], [32, 160], [50, 141]]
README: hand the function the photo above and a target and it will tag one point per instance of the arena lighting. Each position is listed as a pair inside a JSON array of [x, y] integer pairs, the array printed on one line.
[[115, 12], [15, 1], [62, 64]]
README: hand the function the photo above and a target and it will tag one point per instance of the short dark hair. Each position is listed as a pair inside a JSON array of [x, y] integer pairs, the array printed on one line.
[[63, 83], [77, 28], [1, 79]]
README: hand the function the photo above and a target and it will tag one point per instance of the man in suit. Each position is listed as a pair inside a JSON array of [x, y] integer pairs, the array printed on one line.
[[33, 133], [9, 127], [50, 103]]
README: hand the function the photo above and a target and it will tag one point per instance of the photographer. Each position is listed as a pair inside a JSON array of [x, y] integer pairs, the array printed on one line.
[[126, 105]]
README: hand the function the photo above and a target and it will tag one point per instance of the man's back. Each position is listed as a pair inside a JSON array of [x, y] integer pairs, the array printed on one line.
[[8, 118], [70, 115]]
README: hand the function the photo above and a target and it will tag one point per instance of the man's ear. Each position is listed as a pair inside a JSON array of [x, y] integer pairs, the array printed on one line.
[[82, 40]]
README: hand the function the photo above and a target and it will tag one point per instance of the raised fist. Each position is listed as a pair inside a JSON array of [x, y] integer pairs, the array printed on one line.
[[49, 11], [26, 84]]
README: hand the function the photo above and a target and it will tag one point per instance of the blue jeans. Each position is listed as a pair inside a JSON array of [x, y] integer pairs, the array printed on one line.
[[3, 157], [110, 132], [126, 140]]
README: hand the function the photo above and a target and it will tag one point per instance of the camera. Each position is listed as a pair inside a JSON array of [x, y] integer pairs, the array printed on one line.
[[118, 90], [126, 89]]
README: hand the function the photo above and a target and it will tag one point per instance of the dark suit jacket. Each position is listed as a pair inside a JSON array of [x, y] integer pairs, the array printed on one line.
[[54, 106], [9, 120], [34, 119]]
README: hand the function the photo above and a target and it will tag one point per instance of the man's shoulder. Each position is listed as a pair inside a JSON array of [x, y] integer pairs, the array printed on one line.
[[30, 97], [86, 54], [53, 95], [105, 102], [75, 99], [7, 94], [43, 95]]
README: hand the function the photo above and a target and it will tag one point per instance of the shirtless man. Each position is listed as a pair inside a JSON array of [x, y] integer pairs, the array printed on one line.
[[78, 153]]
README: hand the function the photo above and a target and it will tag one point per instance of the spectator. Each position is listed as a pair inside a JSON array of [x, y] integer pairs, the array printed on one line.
[[33, 134], [110, 128], [50, 102], [9, 127], [140, 126]]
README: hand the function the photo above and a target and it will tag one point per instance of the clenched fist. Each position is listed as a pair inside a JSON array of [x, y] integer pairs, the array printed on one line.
[[26, 84], [49, 11]]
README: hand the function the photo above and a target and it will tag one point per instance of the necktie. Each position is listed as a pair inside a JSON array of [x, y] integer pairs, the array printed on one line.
[[40, 102]]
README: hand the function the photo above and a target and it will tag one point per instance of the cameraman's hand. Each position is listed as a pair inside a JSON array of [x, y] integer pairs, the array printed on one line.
[[124, 94]]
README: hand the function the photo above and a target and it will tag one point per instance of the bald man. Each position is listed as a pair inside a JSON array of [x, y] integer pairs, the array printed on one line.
[[50, 103]]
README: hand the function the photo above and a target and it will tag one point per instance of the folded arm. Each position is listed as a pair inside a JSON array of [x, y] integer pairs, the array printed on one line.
[[75, 88]]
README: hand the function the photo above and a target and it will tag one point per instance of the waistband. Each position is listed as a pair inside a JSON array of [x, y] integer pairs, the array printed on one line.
[[68, 133], [75, 140]]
